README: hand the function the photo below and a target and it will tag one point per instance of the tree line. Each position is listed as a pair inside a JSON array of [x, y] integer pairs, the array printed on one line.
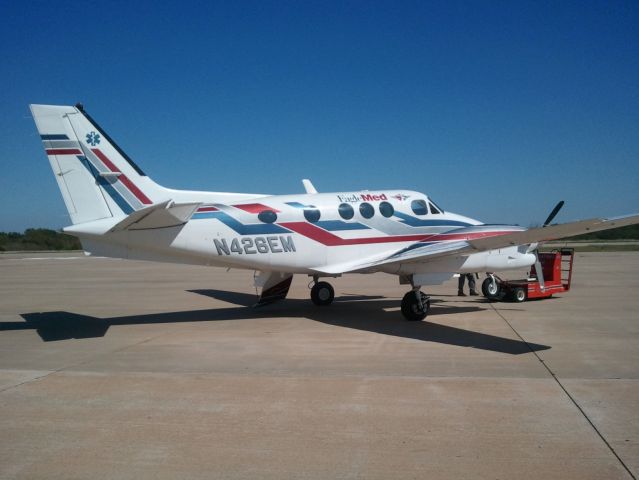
[[38, 239], [45, 239]]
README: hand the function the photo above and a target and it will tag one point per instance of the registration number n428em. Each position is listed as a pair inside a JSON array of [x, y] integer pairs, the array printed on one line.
[[254, 245]]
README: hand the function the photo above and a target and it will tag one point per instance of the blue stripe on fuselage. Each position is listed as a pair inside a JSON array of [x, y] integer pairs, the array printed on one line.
[[240, 228], [297, 205], [416, 222], [337, 225], [412, 247]]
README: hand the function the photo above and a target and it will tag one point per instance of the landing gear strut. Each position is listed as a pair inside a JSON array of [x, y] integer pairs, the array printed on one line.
[[415, 305], [322, 293], [491, 288]]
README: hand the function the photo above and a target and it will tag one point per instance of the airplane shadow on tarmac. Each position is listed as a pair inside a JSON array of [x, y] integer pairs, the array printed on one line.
[[366, 313]]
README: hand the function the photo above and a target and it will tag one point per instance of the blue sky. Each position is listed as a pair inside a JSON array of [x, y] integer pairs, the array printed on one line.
[[495, 109]]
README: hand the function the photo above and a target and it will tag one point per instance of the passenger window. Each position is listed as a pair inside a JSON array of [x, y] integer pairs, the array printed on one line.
[[386, 209], [267, 216], [419, 207], [367, 210], [346, 211], [312, 215]]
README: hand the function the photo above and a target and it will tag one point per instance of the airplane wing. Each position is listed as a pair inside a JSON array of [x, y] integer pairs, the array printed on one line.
[[417, 252], [430, 249], [552, 232]]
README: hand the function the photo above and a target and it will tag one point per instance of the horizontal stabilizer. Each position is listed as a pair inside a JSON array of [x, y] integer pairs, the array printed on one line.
[[159, 215]]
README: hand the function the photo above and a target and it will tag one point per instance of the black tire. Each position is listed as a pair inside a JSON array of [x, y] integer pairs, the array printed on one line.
[[519, 295], [490, 290], [412, 310], [322, 293]]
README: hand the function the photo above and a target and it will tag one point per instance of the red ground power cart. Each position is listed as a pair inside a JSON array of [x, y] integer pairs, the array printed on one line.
[[557, 272]]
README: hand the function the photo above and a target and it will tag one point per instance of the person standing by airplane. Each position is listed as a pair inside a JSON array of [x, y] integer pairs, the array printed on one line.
[[471, 284]]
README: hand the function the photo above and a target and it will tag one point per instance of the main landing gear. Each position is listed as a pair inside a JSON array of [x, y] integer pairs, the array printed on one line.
[[322, 293], [415, 305]]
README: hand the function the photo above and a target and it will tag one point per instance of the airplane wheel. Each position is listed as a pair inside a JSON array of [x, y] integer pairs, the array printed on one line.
[[412, 309], [490, 289], [519, 294], [322, 293]]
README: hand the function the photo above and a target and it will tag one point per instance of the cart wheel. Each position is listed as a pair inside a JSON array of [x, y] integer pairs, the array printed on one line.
[[490, 289], [519, 295]]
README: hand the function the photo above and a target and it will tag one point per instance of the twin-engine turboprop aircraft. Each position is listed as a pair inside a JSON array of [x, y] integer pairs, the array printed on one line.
[[117, 211]]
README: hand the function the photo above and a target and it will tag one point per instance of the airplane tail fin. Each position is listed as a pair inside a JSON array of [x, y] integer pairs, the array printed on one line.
[[96, 178]]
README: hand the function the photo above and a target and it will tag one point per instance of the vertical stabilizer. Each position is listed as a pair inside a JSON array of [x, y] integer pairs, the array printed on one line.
[[96, 178]]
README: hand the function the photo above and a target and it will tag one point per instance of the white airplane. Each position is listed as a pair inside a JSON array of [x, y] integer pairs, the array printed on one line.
[[118, 211]]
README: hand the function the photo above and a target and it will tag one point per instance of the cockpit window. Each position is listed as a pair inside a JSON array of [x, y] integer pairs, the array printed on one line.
[[434, 208], [346, 211], [419, 207]]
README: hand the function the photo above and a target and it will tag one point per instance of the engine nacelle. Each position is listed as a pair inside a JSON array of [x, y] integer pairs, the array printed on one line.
[[502, 259]]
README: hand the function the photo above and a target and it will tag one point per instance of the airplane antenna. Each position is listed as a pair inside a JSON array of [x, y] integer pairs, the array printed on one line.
[[308, 186]]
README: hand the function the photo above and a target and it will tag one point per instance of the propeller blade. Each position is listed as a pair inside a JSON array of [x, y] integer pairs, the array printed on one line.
[[554, 213], [539, 272]]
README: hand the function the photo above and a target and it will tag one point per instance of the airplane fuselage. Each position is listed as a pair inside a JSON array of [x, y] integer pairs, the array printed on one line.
[[302, 233]]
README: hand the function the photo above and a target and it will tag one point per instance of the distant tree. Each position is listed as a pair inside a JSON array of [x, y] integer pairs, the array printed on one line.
[[631, 232], [38, 239]]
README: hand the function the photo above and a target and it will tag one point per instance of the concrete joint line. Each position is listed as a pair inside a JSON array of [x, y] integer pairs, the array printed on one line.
[[561, 385]]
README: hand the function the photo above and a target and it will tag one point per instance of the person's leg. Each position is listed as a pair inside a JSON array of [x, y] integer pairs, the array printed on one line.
[[471, 283], [460, 285]]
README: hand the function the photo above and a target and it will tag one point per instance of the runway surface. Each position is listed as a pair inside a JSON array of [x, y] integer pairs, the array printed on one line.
[[117, 369]]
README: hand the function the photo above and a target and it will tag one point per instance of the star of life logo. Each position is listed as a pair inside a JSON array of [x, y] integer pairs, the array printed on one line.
[[93, 138]]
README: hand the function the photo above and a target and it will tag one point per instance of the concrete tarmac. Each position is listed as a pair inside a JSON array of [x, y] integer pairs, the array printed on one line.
[[117, 369]]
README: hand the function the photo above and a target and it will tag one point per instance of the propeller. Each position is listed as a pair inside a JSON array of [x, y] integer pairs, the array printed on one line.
[[554, 213], [538, 270]]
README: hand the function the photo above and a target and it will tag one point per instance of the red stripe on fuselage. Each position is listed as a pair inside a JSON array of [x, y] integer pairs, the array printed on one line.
[[254, 208], [63, 151], [326, 238], [123, 178]]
